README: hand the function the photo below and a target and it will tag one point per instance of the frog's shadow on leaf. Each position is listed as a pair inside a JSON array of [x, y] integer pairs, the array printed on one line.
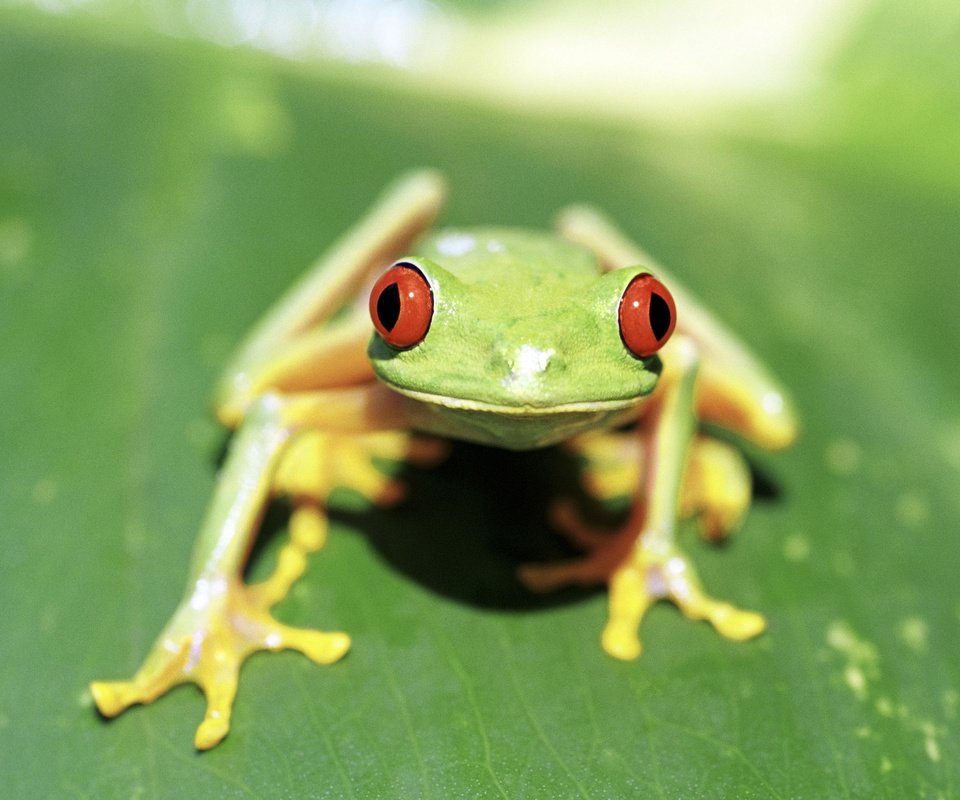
[[466, 525]]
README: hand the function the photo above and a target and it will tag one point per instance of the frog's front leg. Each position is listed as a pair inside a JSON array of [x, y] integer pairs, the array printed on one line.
[[221, 620], [643, 563], [736, 391], [315, 463], [717, 485]]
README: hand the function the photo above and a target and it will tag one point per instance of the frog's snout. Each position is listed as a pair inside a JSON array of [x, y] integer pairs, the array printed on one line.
[[524, 367]]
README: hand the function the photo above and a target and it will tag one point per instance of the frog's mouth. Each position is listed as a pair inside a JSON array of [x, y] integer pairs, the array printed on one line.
[[515, 427], [519, 410]]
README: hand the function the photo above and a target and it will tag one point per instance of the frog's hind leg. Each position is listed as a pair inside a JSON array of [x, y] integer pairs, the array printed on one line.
[[221, 620], [315, 336]]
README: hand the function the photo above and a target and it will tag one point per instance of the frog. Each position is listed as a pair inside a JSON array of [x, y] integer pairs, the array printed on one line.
[[405, 336]]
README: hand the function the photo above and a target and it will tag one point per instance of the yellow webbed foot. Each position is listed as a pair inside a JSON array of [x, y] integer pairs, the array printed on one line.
[[222, 620], [210, 636], [638, 576], [649, 576]]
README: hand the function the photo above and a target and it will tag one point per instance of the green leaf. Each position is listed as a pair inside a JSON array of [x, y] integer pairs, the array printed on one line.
[[157, 194]]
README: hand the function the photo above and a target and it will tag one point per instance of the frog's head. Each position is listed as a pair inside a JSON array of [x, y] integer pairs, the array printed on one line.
[[519, 353]]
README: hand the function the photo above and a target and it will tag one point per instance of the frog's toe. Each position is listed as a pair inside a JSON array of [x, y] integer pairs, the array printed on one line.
[[218, 669], [650, 575], [321, 647], [220, 692], [112, 697], [165, 667], [211, 732], [541, 578], [629, 599], [677, 580], [109, 697], [568, 522], [206, 643], [308, 533], [593, 569], [620, 640], [735, 623]]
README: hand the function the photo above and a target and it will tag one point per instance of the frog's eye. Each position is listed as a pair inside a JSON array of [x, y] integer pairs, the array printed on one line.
[[647, 315], [401, 306]]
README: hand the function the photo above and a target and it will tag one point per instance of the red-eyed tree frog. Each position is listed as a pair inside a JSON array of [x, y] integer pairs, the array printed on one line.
[[506, 337]]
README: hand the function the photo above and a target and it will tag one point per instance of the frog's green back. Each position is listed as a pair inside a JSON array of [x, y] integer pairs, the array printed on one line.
[[505, 255]]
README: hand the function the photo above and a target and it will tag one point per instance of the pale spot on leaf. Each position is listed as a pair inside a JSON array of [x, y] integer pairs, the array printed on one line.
[[254, 122], [931, 743], [951, 698], [884, 707], [44, 491], [854, 678], [913, 632], [796, 547], [843, 456], [912, 509], [16, 238], [862, 665]]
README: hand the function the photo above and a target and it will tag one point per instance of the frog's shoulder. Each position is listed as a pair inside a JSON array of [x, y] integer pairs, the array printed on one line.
[[469, 252]]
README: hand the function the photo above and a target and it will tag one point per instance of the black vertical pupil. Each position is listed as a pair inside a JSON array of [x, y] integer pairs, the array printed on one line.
[[658, 314], [388, 306]]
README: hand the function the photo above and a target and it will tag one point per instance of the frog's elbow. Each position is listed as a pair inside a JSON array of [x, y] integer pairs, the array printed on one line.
[[777, 427]]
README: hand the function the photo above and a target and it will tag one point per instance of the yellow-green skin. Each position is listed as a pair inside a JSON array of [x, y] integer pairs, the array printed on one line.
[[524, 346]]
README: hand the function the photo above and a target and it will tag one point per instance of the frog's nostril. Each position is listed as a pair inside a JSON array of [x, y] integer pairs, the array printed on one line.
[[525, 367], [530, 360]]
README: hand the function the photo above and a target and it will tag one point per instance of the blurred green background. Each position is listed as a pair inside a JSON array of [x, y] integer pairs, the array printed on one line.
[[167, 169]]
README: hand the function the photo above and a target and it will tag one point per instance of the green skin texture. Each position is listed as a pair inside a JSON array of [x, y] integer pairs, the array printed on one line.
[[524, 346]]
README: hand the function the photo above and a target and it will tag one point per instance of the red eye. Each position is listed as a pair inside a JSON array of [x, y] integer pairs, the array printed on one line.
[[401, 306], [647, 315]]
